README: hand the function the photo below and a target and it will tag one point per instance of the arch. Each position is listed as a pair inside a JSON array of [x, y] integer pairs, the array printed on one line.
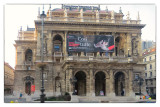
[[28, 55], [119, 84], [80, 85], [105, 72], [58, 85], [28, 87], [29, 81], [100, 83], [57, 43], [86, 73], [126, 75], [57, 37]]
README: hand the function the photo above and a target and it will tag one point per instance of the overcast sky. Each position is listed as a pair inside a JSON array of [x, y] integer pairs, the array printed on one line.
[[23, 15]]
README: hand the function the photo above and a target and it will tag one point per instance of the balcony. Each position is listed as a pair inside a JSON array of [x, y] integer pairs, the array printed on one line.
[[57, 54], [100, 59], [26, 66], [77, 19]]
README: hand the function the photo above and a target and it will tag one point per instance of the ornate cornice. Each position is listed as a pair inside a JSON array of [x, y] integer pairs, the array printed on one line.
[[25, 41], [38, 22]]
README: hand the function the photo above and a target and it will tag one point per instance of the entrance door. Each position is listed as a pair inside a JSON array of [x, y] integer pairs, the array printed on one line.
[[80, 85], [100, 84], [28, 88], [119, 84]]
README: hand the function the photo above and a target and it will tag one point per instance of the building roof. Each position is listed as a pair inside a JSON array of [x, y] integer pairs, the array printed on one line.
[[30, 29], [78, 10], [149, 51], [8, 65]]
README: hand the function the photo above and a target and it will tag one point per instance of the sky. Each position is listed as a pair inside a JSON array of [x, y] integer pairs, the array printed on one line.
[[24, 15]]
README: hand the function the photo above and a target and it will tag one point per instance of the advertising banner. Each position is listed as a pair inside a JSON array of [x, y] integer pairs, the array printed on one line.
[[33, 88], [91, 43]]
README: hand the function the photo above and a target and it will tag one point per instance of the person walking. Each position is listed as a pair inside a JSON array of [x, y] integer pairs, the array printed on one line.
[[20, 96]]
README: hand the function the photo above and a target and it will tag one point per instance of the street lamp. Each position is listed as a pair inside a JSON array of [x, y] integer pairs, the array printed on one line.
[[139, 80], [73, 81], [128, 53], [42, 96]]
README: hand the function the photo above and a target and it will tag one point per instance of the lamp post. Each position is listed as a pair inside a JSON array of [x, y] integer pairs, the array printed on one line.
[[128, 53], [139, 80], [42, 96], [73, 81]]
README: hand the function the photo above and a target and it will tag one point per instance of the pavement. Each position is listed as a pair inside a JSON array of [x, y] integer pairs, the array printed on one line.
[[14, 99]]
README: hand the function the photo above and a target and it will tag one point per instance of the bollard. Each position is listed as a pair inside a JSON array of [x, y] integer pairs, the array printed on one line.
[[16, 101], [11, 101]]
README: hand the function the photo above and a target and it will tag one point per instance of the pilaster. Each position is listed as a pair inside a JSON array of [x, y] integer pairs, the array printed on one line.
[[128, 45], [111, 88], [49, 45]]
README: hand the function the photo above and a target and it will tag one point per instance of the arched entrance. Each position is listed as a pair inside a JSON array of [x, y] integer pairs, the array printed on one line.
[[119, 84], [80, 85], [28, 88], [29, 81], [57, 44], [58, 85], [100, 84]]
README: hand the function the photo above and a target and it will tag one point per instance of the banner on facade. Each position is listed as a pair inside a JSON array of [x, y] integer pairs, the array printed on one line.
[[91, 43], [33, 88]]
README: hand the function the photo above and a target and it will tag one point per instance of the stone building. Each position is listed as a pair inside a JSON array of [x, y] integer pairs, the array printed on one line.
[[96, 74], [8, 79], [149, 58]]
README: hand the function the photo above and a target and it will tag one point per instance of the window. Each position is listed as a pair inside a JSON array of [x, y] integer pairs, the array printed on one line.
[[56, 48], [144, 59], [146, 75], [136, 76], [150, 58], [151, 82], [146, 67], [150, 66], [28, 55], [150, 74]]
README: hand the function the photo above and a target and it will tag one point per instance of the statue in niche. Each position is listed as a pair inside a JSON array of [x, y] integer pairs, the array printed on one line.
[[134, 47]]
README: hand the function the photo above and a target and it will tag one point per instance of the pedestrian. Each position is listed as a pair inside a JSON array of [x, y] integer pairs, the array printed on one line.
[[122, 93], [20, 96]]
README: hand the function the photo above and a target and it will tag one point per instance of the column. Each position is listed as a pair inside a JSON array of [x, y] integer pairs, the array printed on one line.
[[92, 83], [65, 44], [69, 83], [112, 17], [23, 59], [67, 80], [130, 83], [49, 45], [38, 46], [87, 86], [81, 15], [97, 16], [111, 88], [126, 91], [128, 45], [113, 34], [139, 44], [63, 82], [107, 87]]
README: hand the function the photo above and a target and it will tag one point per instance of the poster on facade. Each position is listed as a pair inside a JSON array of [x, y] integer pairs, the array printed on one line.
[[33, 88], [90, 43]]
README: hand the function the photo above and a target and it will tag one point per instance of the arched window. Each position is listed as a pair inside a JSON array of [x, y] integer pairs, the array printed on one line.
[[28, 55], [57, 43]]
